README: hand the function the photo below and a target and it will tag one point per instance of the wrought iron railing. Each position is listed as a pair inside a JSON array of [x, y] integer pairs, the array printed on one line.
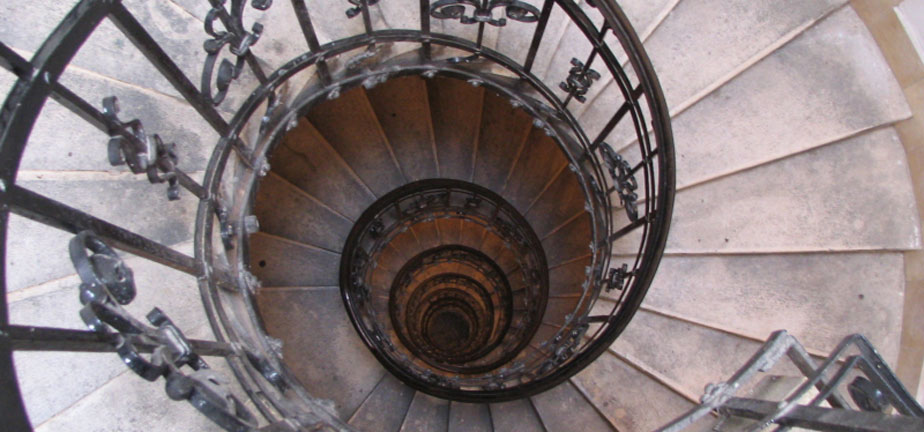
[[878, 400], [621, 153]]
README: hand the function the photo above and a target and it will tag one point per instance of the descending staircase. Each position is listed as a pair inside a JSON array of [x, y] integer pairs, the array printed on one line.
[[793, 206]]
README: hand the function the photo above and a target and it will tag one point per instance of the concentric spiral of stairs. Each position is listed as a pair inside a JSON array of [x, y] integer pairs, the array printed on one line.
[[419, 240]]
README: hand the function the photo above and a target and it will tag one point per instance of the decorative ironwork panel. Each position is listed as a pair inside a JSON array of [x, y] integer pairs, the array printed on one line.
[[484, 13], [235, 38], [579, 80]]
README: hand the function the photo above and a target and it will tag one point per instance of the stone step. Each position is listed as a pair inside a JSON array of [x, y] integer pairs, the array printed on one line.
[[691, 356], [51, 144], [320, 345], [851, 195], [537, 164], [52, 381], [469, 417], [829, 83], [690, 57], [128, 402], [629, 399], [515, 416], [565, 408], [754, 295], [109, 53], [426, 414], [647, 15], [385, 407], [37, 253]]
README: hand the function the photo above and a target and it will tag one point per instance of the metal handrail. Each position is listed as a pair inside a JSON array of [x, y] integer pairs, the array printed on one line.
[[239, 159]]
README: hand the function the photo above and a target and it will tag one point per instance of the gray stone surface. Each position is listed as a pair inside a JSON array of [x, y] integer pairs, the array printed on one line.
[[63, 141], [515, 416], [702, 41], [564, 408], [50, 381], [37, 253], [469, 417], [128, 402], [514, 39], [627, 397], [688, 355], [644, 14], [109, 53], [426, 414], [320, 345], [851, 195], [826, 84], [820, 298], [385, 408]]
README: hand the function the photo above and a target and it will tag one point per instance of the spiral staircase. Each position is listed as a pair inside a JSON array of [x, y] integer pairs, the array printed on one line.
[[393, 215]]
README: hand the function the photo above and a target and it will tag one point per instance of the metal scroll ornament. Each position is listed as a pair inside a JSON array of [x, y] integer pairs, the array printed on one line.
[[623, 179], [358, 7], [483, 13], [129, 145], [235, 37], [579, 80], [106, 285]]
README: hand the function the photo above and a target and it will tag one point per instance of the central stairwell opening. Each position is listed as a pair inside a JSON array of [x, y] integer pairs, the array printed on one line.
[[453, 227]]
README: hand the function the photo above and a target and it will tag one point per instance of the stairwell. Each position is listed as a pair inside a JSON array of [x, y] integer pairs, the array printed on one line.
[[794, 207]]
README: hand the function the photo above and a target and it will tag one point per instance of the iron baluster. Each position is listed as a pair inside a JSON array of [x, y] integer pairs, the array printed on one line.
[[135, 32], [53, 213], [238, 41], [616, 278], [12, 62], [107, 284], [580, 77], [129, 145], [873, 391], [31, 338], [311, 37], [538, 34], [617, 117], [623, 180], [482, 13], [425, 27]]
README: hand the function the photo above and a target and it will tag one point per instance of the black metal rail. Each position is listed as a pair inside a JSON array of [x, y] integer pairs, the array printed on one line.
[[225, 200], [875, 392]]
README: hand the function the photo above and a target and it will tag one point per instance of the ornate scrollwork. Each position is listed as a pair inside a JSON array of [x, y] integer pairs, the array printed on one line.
[[616, 278], [129, 145], [106, 285], [238, 40], [484, 13], [624, 181], [358, 7], [579, 80]]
